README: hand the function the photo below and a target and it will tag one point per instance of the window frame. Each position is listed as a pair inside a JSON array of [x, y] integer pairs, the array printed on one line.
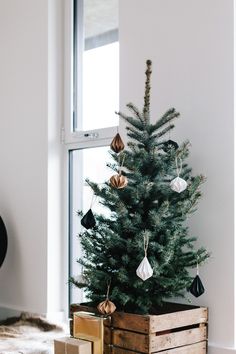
[[70, 138], [73, 86]]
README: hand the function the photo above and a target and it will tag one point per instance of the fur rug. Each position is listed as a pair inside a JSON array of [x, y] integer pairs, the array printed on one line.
[[28, 334]]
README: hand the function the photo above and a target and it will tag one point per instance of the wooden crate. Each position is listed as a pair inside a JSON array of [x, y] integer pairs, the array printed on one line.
[[176, 329]]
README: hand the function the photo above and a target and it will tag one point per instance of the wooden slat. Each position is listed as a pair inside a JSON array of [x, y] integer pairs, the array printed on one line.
[[198, 348], [178, 319], [131, 340], [107, 335], [131, 322], [177, 339], [116, 350], [106, 349]]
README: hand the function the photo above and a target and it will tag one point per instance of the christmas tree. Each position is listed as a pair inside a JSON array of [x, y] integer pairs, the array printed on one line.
[[147, 218]]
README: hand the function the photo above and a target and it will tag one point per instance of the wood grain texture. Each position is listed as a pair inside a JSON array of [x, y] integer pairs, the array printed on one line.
[[178, 319], [131, 322], [130, 340], [198, 348], [177, 339], [107, 335]]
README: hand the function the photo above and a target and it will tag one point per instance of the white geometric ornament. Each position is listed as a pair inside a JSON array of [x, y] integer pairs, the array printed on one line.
[[144, 270], [178, 184]]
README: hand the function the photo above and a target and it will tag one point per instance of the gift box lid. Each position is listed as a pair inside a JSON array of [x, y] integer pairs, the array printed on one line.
[[67, 345]]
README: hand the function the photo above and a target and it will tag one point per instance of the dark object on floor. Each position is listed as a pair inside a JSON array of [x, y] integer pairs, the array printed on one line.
[[3, 241], [29, 319]]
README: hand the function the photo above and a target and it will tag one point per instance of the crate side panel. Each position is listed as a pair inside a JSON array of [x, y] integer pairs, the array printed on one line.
[[107, 349], [179, 319], [130, 340], [177, 339], [131, 322], [198, 348], [107, 335]]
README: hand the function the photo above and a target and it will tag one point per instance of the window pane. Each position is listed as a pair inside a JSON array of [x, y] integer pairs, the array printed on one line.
[[96, 65], [101, 87], [88, 163]]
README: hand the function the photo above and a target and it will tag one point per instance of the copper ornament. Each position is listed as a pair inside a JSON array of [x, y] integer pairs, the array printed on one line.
[[118, 181], [117, 144], [106, 307]]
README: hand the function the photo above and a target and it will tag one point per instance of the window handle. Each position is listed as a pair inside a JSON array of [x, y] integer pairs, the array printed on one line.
[[91, 135]]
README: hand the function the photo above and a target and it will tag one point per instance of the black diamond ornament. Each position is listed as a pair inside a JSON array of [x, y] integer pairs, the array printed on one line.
[[197, 288], [3, 241], [169, 144], [88, 220]]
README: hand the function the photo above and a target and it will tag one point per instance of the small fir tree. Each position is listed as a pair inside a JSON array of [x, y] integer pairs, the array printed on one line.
[[147, 208]]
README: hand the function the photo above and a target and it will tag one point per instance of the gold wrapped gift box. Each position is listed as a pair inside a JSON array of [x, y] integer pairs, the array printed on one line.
[[67, 345], [89, 327]]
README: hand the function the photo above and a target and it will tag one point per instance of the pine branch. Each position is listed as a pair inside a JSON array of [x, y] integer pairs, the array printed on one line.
[[135, 110], [135, 135], [164, 131], [166, 118], [76, 283], [133, 121]]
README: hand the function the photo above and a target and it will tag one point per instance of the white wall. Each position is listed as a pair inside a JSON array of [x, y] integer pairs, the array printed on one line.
[[23, 151], [30, 113], [191, 45]]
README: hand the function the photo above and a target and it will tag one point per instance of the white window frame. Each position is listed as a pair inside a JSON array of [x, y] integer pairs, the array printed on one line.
[[75, 140]]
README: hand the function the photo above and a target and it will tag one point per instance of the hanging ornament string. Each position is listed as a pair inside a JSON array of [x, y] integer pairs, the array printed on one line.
[[178, 168], [121, 164], [146, 242], [108, 289], [93, 200], [197, 267]]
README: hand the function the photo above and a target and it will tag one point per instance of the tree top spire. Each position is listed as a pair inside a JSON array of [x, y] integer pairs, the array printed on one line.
[[146, 108]]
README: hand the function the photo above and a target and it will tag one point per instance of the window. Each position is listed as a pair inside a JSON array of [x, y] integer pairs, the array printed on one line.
[[91, 121]]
